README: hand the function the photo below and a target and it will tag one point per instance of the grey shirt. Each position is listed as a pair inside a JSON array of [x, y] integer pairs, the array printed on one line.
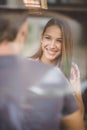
[[40, 94]]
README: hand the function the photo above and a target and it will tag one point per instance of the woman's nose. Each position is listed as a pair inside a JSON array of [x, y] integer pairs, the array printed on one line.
[[52, 45]]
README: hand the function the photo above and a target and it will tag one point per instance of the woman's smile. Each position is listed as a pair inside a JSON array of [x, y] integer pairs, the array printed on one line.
[[51, 51]]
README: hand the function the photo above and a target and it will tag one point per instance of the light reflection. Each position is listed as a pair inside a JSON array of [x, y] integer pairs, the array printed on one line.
[[36, 3]]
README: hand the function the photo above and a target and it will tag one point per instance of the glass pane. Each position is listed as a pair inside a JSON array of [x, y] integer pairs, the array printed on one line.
[[37, 19]]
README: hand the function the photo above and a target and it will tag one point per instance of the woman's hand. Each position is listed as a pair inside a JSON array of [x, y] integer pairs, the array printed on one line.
[[75, 78], [76, 85]]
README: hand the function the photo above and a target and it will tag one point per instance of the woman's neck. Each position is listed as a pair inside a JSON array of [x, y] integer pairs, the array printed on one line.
[[46, 61]]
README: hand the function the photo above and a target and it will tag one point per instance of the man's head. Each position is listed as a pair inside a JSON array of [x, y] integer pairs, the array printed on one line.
[[13, 29]]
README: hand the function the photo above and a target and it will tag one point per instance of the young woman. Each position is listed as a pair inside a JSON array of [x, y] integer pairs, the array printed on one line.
[[56, 49]]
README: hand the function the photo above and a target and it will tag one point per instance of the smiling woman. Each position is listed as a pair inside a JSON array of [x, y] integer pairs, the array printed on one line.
[[56, 49], [51, 44], [57, 44]]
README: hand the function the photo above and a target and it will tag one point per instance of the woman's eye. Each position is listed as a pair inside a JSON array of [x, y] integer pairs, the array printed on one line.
[[47, 37], [59, 41]]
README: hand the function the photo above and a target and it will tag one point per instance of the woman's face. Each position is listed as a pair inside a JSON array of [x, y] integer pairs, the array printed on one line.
[[52, 43]]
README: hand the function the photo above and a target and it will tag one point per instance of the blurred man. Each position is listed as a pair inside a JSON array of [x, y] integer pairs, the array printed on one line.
[[33, 96]]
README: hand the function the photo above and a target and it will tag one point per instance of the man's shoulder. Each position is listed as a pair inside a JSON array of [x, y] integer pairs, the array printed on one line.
[[35, 65], [46, 74]]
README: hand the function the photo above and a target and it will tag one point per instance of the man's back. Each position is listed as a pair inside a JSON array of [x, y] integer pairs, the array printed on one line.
[[39, 92]]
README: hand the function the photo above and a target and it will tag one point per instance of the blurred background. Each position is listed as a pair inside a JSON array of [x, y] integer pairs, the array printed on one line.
[[75, 12]]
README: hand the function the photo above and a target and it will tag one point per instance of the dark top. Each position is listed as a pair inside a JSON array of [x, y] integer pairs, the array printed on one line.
[[33, 96]]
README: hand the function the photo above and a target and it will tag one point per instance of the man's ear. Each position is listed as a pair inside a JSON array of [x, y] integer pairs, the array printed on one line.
[[23, 32]]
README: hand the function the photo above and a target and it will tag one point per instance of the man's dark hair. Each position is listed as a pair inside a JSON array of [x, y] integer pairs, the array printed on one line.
[[10, 23]]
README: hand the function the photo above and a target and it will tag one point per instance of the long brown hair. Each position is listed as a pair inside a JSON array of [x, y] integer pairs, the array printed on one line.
[[64, 61]]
